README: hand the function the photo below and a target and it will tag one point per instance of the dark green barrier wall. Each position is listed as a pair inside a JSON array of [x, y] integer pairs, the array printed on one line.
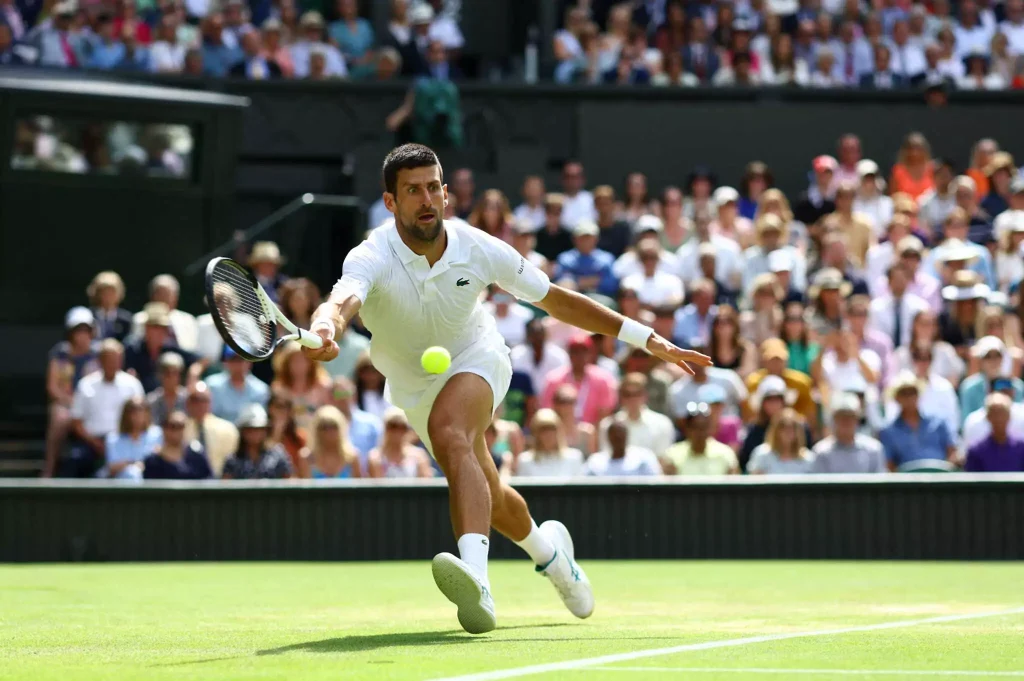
[[955, 517]]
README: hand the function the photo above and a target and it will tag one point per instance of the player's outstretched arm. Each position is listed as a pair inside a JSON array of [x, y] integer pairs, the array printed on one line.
[[580, 311], [329, 322]]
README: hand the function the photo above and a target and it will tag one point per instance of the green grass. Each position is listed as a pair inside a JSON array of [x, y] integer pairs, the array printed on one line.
[[172, 622]]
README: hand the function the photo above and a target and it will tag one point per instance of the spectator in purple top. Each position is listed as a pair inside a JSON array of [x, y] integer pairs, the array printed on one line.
[[999, 452]]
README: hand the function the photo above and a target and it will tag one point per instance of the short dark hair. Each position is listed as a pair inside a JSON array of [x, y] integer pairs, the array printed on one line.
[[945, 162], [407, 157]]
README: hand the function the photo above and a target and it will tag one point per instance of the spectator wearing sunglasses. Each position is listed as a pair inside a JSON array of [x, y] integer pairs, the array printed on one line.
[[177, 458], [395, 456]]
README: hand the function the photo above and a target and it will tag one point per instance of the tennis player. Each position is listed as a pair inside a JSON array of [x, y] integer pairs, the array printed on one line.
[[417, 282]]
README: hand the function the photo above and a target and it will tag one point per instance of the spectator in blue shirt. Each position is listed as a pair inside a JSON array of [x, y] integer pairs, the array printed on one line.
[[991, 354], [693, 322], [589, 268], [135, 439], [108, 51], [218, 56], [354, 37], [57, 45], [312, 41], [364, 429], [235, 388], [913, 437]]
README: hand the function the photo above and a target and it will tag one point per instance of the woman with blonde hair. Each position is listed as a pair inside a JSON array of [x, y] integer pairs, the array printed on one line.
[[774, 202], [330, 453], [1009, 262], [784, 450], [306, 382], [106, 292], [395, 456], [493, 215], [549, 456], [299, 298], [764, 318], [913, 172]]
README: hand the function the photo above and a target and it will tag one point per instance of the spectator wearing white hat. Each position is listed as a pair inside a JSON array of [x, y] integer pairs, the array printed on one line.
[[69, 360], [956, 249], [966, 297], [654, 287], [914, 440], [265, 261], [846, 450], [256, 457], [937, 203], [937, 397], [870, 200], [1010, 258], [95, 410], [991, 354], [586, 267], [106, 293], [647, 428], [781, 266], [728, 222]]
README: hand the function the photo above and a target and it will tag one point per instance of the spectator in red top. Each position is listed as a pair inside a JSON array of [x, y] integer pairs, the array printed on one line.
[[596, 388], [913, 173], [493, 215], [127, 18]]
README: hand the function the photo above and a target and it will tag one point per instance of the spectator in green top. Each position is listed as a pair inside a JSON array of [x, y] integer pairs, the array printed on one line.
[[354, 37], [802, 351]]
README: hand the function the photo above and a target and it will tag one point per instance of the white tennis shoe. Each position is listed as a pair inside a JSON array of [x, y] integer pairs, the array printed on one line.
[[457, 582], [569, 579]]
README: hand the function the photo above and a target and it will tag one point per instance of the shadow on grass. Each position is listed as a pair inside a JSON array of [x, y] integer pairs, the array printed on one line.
[[362, 644]]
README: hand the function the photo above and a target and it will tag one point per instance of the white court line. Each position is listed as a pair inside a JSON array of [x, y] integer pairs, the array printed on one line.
[[516, 672], [830, 672]]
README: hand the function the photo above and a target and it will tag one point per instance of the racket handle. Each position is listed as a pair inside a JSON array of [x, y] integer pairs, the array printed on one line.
[[310, 340]]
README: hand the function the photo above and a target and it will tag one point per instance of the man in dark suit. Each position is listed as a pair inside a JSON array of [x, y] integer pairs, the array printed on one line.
[[254, 66], [699, 56], [883, 78]]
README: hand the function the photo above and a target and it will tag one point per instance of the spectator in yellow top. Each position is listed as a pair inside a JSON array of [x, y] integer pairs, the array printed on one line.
[[700, 453], [774, 357]]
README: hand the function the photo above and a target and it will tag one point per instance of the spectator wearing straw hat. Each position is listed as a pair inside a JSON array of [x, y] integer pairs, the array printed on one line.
[[106, 293], [771, 237], [184, 330], [914, 437], [312, 42], [956, 253], [170, 396], [265, 261], [1002, 451], [977, 426], [871, 200], [991, 354], [142, 354], [826, 296], [966, 296], [1000, 171], [846, 450]]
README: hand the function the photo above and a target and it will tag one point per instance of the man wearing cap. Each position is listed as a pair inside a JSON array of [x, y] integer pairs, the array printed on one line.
[[96, 411], [781, 265], [647, 428], [892, 312], [553, 238], [817, 201], [141, 354], [1002, 450], [728, 222], [265, 262], [774, 357], [164, 288], [56, 43], [846, 450], [235, 387], [937, 203], [871, 200], [700, 453], [595, 386], [587, 267], [728, 256], [616, 234], [170, 396], [69, 360], [991, 354], [914, 437], [654, 287]]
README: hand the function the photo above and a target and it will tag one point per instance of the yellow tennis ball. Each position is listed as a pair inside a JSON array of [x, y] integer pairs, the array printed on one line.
[[436, 360]]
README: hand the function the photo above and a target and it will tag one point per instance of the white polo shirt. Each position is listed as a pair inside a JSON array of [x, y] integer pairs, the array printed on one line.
[[98, 403], [410, 306]]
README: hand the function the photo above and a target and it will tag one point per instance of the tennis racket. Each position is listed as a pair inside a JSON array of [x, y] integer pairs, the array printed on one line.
[[244, 314]]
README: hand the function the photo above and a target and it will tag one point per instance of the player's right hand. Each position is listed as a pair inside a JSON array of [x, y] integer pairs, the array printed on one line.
[[325, 353]]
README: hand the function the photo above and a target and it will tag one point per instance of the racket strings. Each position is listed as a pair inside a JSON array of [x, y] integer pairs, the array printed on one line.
[[238, 306]]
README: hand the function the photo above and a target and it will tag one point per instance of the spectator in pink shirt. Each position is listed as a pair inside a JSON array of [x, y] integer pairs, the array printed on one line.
[[274, 48], [848, 153], [596, 387]]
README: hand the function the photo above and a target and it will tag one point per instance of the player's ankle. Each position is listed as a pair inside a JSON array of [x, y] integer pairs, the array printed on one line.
[[539, 547], [473, 549]]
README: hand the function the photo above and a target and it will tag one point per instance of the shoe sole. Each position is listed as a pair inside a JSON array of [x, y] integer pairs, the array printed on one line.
[[461, 589]]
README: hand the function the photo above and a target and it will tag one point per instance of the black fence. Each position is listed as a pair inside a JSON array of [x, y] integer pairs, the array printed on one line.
[[913, 517]]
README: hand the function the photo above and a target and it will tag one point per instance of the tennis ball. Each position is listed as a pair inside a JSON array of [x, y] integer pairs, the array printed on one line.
[[436, 360]]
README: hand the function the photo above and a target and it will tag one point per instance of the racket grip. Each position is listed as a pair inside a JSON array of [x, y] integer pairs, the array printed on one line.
[[310, 340]]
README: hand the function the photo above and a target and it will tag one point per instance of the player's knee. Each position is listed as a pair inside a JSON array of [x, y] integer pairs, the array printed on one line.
[[449, 440]]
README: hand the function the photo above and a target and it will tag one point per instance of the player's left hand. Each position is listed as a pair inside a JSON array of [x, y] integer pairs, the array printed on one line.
[[662, 349]]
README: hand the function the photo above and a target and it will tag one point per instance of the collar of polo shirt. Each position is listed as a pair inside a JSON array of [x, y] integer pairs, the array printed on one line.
[[452, 251]]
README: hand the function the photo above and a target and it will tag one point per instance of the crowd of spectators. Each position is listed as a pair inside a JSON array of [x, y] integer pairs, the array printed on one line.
[[874, 44], [254, 39], [871, 324]]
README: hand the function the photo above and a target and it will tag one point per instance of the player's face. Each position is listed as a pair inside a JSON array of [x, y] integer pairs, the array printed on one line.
[[418, 203]]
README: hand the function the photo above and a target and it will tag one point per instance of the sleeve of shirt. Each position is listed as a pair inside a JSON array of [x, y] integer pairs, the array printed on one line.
[[78, 404], [359, 275], [516, 274]]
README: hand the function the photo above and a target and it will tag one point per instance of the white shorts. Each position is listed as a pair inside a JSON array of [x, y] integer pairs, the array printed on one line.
[[487, 360]]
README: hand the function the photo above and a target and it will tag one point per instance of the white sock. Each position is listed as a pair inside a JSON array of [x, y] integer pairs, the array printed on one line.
[[473, 551], [537, 545]]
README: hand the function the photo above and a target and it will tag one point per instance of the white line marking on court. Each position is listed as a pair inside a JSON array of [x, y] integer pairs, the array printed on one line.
[[709, 645], [845, 672]]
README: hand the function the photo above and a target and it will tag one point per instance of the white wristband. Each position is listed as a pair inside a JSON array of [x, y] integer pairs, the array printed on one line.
[[323, 324], [635, 333]]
